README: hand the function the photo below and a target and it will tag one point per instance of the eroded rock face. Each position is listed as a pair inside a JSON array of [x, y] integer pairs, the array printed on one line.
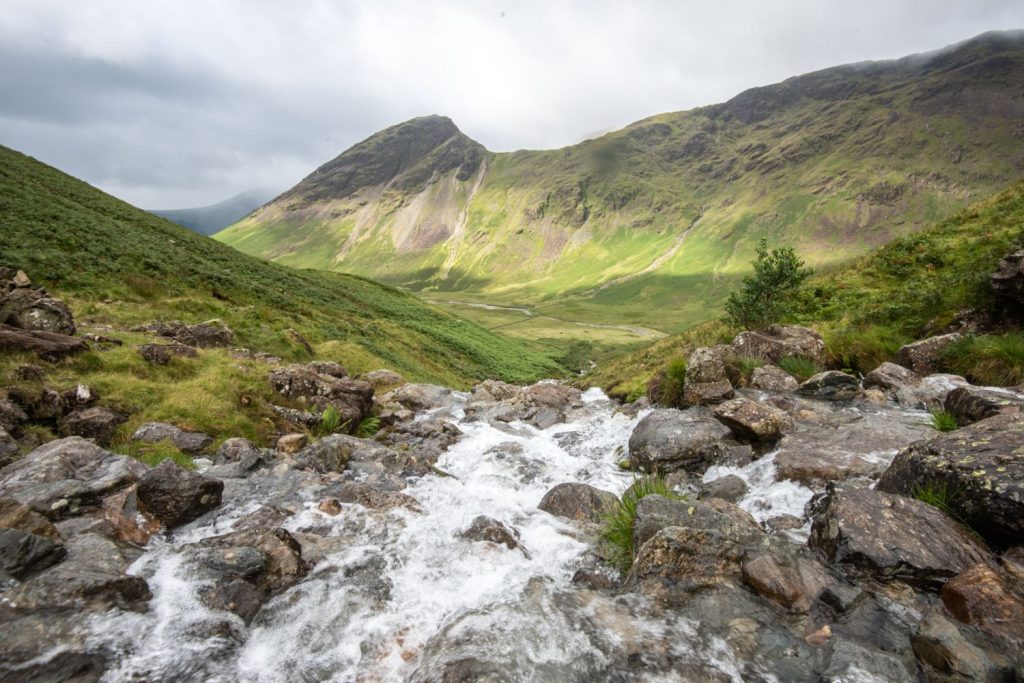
[[752, 419], [185, 441], [790, 580], [307, 384], [883, 536], [831, 385], [780, 341], [924, 357], [176, 496], [580, 502], [981, 469], [971, 404], [23, 553], [669, 440]]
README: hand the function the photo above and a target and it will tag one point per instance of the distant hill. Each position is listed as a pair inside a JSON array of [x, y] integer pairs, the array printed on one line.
[[207, 220], [654, 224]]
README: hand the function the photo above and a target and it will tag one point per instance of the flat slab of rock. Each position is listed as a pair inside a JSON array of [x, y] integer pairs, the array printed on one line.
[[669, 440], [887, 537], [185, 441], [830, 385], [751, 419], [924, 357], [980, 467], [780, 341], [579, 502], [67, 477], [970, 404], [176, 496], [47, 345]]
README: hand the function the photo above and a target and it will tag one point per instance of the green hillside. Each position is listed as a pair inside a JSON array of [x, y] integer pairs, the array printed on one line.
[[123, 266], [913, 287], [652, 225]]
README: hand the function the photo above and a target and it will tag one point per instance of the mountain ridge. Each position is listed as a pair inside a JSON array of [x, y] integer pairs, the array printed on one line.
[[212, 218]]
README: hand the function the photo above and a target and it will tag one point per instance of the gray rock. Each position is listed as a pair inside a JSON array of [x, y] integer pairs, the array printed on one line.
[[707, 364], [236, 449], [332, 453], [187, 442], [851, 661], [930, 392], [12, 417], [418, 397], [352, 398], [830, 385], [204, 335], [49, 346], [98, 423], [668, 440], [774, 379], [887, 537], [23, 554], [980, 469], [971, 404], [654, 513], [1008, 279], [924, 357], [8, 447], [579, 502], [382, 379], [780, 341], [891, 378], [162, 354], [35, 310], [68, 477], [730, 488], [948, 655], [751, 419], [177, 496], [707, 393]]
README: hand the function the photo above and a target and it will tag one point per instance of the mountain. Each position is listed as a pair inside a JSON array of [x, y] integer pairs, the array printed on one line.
[[207, 220], [121, 266], [653, 224]]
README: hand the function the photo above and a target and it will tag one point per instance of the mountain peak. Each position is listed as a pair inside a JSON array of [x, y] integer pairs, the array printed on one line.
[[404, 156]]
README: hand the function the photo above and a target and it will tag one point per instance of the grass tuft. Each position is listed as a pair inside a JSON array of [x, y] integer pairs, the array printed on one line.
[[617, 531], [330, 422], [368, 427], [800, 367], [990, 359], [943, 421]]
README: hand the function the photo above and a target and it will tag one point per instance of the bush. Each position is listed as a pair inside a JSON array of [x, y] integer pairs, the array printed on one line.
[[618, 526], [769, 294], [943, 421], [330, 422], [800, 367]]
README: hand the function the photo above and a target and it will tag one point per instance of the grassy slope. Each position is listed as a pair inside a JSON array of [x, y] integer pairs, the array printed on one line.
[[120, 266], [837, 163], [912, 287]]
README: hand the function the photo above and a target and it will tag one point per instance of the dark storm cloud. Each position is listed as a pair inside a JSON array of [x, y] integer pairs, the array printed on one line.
[[180, 102]]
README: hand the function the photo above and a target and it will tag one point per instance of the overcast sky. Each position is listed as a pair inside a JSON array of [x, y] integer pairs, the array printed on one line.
[[174, 103]]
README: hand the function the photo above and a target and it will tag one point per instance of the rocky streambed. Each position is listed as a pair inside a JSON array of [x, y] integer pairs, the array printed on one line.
[[462, 543]]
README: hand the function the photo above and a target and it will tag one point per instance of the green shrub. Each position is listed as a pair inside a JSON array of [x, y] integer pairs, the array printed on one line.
[[943, 421], [330, 422], [800, 367], [769, 294], [988, 359], [368, 427], [617, 531]]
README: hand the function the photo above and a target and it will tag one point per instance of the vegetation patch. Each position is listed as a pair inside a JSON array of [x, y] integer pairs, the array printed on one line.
[[991, 359], [801, 367], [617, 531], [943, 421]]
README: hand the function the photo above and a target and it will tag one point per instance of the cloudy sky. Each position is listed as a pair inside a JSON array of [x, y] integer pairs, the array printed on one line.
[[173, 103]]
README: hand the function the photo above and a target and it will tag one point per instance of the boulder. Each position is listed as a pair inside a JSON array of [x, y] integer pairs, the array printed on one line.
[[12, 417], [707, 364], [49, 346], [579, 502], [773, 379], [292, 443], [236, 449], [417, 397], [887, 537], [669, 440], [176, 496], [981, 470], [706, 393], [332, 453], [210, 334], [68, 477], [730, 488], [162, 354], [980, 597], [552, 395], [1008, 279], [891, 378], [780, 341], [654, 513], [789, 580], [33, 309], [971, 404], [947, 655], [187, 442], [23, 554], [98, 423], [830, 385], [930, 392], [924, 357], [382, 379], [751, 420], [490, 530], [309, 385], [851, 661]]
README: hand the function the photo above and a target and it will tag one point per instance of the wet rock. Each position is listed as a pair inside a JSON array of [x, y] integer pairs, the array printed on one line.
[[730, 488], [33, 309], [774, 379], [831, 385], [49, 346], [90, 577], [751, 419], [375, 498], [980, 597], [971, 404], [980, 469], [784, 522], [654, 513], [780, 341], [98, 423], [417, 397], [292, 443], [668, 440], [332, 453], [924, 357], [68, 477], [1008, 279], [875, 534], [330, 506], [580, 502], [162, 354], [351, 398], [786, 579], [187, 442], [177, 496], [948, 655], [833, 451], [852, 661], [551, 395], [486, 529], [891, 378], [23, 554], [382, 379], [930, 392], [209, 334]]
